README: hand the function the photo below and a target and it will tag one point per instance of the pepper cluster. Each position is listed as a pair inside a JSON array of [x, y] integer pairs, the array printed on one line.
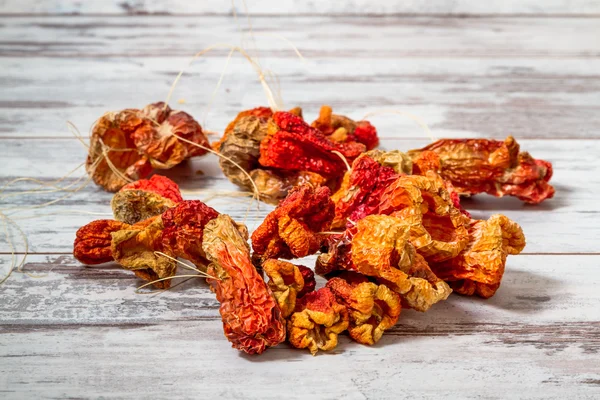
[[279, 150], [387, 227]]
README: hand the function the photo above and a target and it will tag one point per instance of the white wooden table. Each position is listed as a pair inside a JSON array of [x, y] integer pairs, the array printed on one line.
[[526, 68]]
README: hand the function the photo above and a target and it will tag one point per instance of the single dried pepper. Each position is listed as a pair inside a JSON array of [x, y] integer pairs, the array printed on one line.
[[317, 321], [372, 308], [241, 145], [293, 145], [341, 129], [184, 229], [478, 269], [144, 199], [125, 146], [92, 241], [379, 246], [134, 249], [293, 228], [132, 246], [360, 191], [438, 229], [488, 166], [288, 282], [251, 317], [158, 184]]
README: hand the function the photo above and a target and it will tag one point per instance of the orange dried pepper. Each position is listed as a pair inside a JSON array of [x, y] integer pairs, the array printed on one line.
[[126, 145], [292, 229], [379, 246], [488, 166], [438, 228], [288, 282], [317, 322], [251, 317], [372, 308], [144, 199], [339, 128], [134, 249], [478, 269]]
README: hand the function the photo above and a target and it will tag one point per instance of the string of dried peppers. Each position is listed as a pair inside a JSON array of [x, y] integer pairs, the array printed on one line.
[[388, 227]]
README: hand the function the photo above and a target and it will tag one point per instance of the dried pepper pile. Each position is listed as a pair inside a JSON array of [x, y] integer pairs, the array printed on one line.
[[387, 227]]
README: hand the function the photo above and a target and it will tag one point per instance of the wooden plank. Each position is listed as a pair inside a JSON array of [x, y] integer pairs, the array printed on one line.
[[191, 359], [567, 223], [529, 78], [536, 291], [456, 97], [294, 7], [341, 37], [83, 332]]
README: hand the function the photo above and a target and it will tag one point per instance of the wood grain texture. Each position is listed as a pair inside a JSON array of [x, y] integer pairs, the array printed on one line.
[[310, 7], [475, 77]]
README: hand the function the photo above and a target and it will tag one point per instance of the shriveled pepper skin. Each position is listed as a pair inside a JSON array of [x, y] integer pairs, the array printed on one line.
[[293, 228], [92, 241], [294, 145], [127, 145], [252, 320], [489, 166]]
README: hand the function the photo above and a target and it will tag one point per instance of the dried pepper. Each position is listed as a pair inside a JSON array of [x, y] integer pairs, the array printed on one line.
[[317, 322], [92, 241], [184, 229], [361, 187], [372, 308], [438, 229], [241, 145], [339, 128], [478, 269], [127, 145], [279, 151], [144, 199], [134, 249], [251, 317], [498, 168], [293, 145], [293, 228], [288, 282], [379, 246]]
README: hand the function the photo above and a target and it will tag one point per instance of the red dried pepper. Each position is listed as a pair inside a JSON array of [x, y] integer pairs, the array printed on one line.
[[293, 145], [360, 192], [292, 229], [488, 166], [158, 184], [92, 241], [317, 322], [251, 317], [339, 128], [183, 230], [127, 145]]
